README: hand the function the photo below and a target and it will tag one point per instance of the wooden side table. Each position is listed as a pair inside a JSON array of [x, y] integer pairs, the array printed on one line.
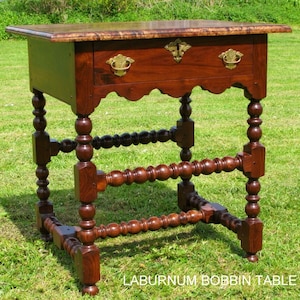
[[80, 64]]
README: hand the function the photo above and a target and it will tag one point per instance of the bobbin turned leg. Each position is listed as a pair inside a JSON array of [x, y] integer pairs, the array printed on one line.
[[41, 156], [87, 258], [185, 140], [250, 233]]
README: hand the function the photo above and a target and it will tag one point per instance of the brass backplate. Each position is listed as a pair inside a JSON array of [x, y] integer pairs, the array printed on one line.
[[178, 48], [231, 58], [120, 64]]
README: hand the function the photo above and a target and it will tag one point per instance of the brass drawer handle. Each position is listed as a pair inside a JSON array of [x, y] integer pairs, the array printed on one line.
[[120, 64], [231, 58]]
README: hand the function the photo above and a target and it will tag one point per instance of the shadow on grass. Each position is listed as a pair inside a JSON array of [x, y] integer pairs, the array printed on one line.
[[112, 206]]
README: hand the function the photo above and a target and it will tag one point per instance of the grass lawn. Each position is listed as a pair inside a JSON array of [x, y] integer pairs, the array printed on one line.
[[30, 269]]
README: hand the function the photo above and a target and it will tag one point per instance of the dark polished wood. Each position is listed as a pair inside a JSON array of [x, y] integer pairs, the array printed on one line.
[[41, 156], [184, 169], [80, 64]]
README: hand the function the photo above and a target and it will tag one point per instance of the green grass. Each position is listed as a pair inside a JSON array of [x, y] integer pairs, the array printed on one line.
[[30, 269]]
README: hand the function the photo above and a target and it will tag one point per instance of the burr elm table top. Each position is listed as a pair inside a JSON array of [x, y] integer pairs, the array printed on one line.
[[143, 30]]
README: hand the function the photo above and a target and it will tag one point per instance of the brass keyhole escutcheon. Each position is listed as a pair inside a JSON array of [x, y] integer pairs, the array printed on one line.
[[120, 64], [178, 48], [231, 58]]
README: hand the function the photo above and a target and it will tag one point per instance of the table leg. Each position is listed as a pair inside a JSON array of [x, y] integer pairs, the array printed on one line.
[[87, 258], [41, 156], [251, 229], [185, 140]]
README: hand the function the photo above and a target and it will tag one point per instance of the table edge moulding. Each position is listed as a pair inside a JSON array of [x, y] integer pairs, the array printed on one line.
[[80, 64]]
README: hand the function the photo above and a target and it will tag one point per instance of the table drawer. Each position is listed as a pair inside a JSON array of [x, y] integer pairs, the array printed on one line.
[[150, 61]]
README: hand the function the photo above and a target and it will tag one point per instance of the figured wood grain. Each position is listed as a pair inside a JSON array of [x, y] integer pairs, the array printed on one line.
[[142, 30]]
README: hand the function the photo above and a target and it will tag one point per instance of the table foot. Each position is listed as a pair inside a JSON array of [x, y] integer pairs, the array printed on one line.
[[250, 234], [91, 290], [86, 258], [252, 257], [87, 262]]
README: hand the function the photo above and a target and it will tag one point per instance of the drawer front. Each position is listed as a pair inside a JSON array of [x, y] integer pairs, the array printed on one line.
[[150, 61]]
